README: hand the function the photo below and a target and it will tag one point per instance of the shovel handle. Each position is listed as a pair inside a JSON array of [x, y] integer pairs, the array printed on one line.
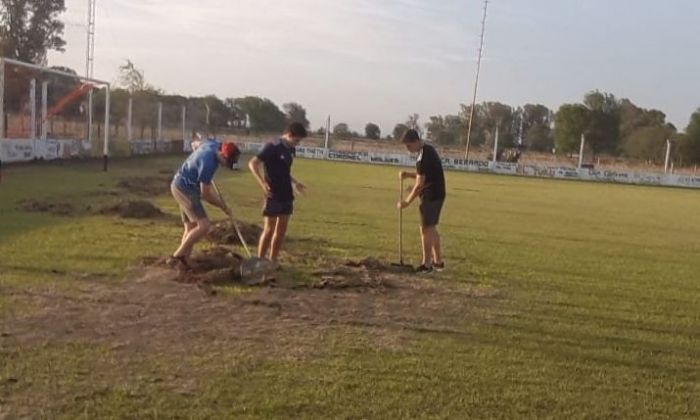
[[229, 213]]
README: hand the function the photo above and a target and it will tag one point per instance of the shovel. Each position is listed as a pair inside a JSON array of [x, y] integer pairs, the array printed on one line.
[[252, 268], [401, 265]]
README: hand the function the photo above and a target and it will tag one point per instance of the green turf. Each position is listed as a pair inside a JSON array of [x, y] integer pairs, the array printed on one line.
[[598, 314]]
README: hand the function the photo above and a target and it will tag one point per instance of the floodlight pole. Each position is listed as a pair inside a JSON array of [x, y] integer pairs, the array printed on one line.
[[90, 62], [2, 99], [580, 154], [476, 81], [106, 139], [668, 156]]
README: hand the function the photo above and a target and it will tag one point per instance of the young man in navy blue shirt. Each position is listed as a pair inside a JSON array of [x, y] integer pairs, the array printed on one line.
[[192, 185], [430, 186], [278, 185]]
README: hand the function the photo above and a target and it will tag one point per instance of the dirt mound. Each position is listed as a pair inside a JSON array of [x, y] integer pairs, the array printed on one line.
[[369, 263], [146, 186], [368, 273], [58, 209], [137, 209], [223, 233], [214, 266]]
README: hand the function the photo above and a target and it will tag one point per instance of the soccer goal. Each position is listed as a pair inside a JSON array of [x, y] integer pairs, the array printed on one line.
[[51, 113]]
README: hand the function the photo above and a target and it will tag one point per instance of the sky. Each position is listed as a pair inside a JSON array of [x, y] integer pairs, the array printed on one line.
[[380, 60]]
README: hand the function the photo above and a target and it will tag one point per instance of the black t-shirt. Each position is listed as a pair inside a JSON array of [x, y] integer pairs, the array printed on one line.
[[429, 165], [278, 158]]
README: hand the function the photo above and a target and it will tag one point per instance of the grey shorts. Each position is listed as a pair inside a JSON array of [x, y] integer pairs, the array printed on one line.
[[191, 208], [430, 212]]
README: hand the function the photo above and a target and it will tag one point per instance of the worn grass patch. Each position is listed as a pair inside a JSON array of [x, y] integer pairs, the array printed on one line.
[[561, 300]]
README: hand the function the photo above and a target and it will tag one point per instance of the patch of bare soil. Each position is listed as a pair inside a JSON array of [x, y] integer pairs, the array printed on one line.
[[134, 209], [211, 267], [146, 186], [55, 208], [223, 233], [159, 310]]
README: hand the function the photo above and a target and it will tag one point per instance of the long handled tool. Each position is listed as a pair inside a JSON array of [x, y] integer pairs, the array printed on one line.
[[252, 267], [401, 263]]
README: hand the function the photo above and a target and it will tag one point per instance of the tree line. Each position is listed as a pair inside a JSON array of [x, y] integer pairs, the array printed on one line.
[[618, 127]]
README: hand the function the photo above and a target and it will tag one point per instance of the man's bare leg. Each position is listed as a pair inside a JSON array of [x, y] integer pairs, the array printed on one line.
[[193, 236], [426, 235], [188, 228], [278, 238], [266, 237], [437, 251]]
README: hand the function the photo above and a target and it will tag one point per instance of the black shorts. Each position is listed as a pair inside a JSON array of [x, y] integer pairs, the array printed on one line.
[[276, 208], [430, 212]]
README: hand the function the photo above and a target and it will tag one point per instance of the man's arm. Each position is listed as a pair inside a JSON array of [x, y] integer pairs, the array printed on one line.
[[420, 182], [254, 166], [409, 175], [299, 186], [210, 196]]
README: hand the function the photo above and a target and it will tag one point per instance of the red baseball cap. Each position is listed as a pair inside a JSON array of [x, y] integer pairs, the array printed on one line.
[[231, 153]]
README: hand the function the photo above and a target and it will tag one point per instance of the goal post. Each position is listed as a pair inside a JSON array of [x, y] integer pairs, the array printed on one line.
[[46, 113]]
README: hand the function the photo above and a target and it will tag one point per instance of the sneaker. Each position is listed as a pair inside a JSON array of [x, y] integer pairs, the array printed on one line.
[[178, 263], [439, 267], [423, 269]]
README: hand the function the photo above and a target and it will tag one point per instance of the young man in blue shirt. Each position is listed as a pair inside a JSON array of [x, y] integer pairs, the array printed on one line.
[[278, 185], [191, 185]]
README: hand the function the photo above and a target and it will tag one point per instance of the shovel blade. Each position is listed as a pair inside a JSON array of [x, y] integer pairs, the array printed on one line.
[[256, 267]]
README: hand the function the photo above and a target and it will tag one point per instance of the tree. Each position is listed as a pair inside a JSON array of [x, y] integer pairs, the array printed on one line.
[[534, 127], [399, 131], [412, 122], [648, 143], [132, 79], [445, 130], [296, 113], [539, 138], [342, 130], [603, 131], [372, 131], [264, 114], [689, 146], [30, 28], [570, 122], [488, 116]]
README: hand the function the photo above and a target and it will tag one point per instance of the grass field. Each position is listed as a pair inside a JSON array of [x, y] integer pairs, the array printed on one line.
[[562, 300]]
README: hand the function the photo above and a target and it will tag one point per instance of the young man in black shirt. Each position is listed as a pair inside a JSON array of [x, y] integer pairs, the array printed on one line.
[[430, 186], [278, 185]]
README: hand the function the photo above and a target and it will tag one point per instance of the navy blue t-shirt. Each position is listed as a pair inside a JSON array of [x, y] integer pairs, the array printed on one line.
[[277, 158]]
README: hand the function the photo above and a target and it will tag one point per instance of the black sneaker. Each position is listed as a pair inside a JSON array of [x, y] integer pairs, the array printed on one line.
[[439, 267], [423, 269]]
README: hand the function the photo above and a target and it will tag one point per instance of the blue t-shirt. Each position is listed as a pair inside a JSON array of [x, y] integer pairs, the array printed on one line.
[[199, 167], [277, 158]]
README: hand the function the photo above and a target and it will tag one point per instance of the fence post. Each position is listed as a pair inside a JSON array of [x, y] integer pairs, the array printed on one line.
[[159, 135], [130, 120], [44, 109]]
